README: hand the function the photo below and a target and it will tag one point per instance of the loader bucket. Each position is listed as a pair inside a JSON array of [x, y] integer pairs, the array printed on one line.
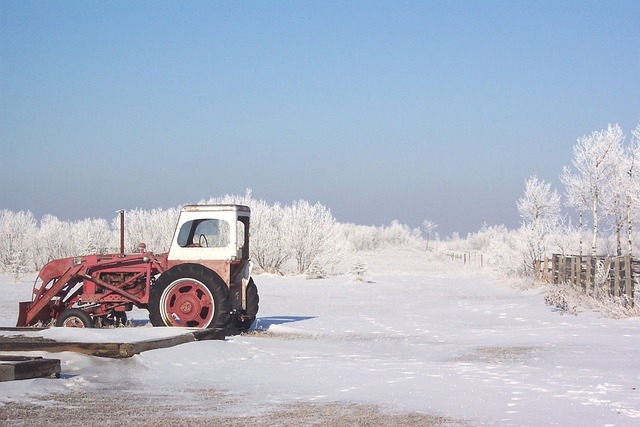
[[22, 314], [28, 317]]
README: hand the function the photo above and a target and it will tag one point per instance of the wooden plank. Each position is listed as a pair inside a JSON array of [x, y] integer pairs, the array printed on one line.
[[94, 349], [130, 349], [112, 350], [21, 368], [7, 372], [37, 368]]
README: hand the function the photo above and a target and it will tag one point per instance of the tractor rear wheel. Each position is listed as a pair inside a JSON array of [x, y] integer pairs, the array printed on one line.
[[189, 295], [74, 318], [253, 300]]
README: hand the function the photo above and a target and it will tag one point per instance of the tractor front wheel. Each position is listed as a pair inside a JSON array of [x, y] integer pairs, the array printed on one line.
[[74, 318], [189, 295]]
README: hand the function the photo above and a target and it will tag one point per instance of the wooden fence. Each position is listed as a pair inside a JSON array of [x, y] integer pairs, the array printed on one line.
[[615, 276], [467, 258]]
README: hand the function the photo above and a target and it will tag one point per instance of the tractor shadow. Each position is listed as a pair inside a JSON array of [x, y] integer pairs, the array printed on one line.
[[136, 323], [264, 323]]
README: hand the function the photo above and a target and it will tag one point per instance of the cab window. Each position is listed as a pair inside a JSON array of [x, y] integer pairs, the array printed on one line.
[[204, 233]]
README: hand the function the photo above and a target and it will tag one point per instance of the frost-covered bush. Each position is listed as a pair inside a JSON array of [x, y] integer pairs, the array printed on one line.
[[560, 300], [361, 237], [370, 238], [396, 235], [358, 270], [499, 246], [316, 271]]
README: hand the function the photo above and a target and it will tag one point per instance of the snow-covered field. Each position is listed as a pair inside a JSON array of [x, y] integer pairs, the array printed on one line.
[[421, 336]]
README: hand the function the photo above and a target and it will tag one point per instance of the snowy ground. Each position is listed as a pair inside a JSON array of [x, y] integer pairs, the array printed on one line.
[[423, 341]]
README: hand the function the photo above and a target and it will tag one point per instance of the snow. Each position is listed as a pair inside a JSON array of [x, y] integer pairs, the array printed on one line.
[[419, 336]]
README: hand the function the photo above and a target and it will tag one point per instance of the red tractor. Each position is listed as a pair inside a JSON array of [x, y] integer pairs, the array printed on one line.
[[204, 281]]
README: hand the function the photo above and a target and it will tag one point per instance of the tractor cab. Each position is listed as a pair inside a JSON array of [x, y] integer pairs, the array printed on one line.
[[217, 232]]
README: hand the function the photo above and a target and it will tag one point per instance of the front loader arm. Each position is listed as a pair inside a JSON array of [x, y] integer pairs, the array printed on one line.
[[36, 310]]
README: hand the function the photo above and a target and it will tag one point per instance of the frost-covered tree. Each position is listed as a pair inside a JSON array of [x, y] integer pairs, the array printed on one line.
[[539, 203], [17, 242], [593, 165], [614, 194], [54, 240], [232, 199], [93, 236], [269, 246], [576, 198], [429, 228], [62, 239], [539, 209], [396, 234], [154, 228], [312, 234], [633, 184]]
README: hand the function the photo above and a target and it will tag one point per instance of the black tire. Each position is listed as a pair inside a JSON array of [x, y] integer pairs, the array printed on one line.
[[74, 318], [189, 295], [253, 301]]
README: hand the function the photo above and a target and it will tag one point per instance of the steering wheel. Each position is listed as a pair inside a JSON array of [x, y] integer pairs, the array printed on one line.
[[202, 239]]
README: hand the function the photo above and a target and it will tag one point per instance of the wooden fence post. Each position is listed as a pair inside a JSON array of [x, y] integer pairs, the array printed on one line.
[[628, 290], [607, 269], [545, 274], [588, 275], [595, 275]]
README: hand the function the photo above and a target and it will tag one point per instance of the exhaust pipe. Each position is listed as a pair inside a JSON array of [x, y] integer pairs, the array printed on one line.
[[121, 231]]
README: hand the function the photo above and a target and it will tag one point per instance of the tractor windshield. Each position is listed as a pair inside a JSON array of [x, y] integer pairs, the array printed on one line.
[[204, 233]]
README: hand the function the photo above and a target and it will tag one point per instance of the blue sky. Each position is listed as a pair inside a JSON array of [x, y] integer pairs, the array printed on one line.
[[379, 110]]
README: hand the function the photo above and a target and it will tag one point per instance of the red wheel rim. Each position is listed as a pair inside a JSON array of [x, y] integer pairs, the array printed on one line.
[[188, 303], [73, 322]]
